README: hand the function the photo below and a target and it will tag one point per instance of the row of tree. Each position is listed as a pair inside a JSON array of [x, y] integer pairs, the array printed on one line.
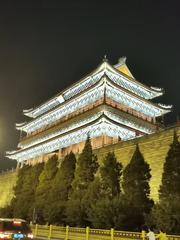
[[82, 193]]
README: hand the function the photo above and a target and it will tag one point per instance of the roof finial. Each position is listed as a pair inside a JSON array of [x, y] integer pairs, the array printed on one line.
[[105, 58], [122, 60]]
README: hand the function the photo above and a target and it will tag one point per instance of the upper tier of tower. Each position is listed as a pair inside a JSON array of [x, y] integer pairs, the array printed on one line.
[[117, 82]]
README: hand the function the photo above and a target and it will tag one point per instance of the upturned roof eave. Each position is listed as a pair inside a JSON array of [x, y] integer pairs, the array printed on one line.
[[54, 109], [29, 112], [139, 97], [166, 110], [79, 117], [137, 82], [86, 125]]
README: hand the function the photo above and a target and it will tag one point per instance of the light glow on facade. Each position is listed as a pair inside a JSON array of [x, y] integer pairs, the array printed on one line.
[[77, 124], [105, 68], [101, 127], [119, 95], [107, 102]]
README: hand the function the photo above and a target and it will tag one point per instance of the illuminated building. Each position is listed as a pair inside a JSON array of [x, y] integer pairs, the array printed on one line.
[[108, 104]]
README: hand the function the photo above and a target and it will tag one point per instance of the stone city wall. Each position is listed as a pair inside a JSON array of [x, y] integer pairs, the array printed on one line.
[[7, 182], [154, 148]]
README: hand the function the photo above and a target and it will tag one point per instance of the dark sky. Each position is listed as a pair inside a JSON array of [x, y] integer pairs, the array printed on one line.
[[47, 45]]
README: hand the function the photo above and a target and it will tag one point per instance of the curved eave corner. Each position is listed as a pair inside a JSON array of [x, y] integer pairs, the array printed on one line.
[[10, 155], [19, 126], [165, 108], [43, 108], [153, 91], [157, 91], [28, 112]]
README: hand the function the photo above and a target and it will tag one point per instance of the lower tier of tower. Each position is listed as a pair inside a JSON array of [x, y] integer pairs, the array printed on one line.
[[96, 143], [96, 123]]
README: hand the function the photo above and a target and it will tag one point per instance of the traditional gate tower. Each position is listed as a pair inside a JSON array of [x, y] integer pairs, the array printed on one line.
[[108, 104]]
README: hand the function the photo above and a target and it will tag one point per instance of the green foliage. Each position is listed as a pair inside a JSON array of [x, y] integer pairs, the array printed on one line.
[[107, 213], [62, 183], [94, 192], [136, 188], [44, 187], [77, 195], [23, 202], [86, 168], [76, 213], [136, 178], [134, 216], [102, 197], [171, 174], [54, 213], [110, 173], [166, 214], [60, 189]]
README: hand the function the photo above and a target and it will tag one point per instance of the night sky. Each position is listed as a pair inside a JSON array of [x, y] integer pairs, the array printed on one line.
[[47, 45]]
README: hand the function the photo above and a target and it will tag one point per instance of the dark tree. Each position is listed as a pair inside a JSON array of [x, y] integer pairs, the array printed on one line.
[[166, 214], [44, 187], [110, 173], [23, 202], [86, 168], [107, 213], [136, 188], [61, 188], [171, 174], [103, 195]]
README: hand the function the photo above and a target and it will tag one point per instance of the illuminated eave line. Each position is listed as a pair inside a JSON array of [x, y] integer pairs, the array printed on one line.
[[129, 80], [132, 127], [62, 123], [126, 84], [63, 129], [107, 113], [127, 115], [98, 69], [49, 105], [141, 92], [69, 132], [98, 84], [60, 104], [102, 107], [45, 124], [135, 96], [55, 144], [26, 125], [135, 81], [95, 71]]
